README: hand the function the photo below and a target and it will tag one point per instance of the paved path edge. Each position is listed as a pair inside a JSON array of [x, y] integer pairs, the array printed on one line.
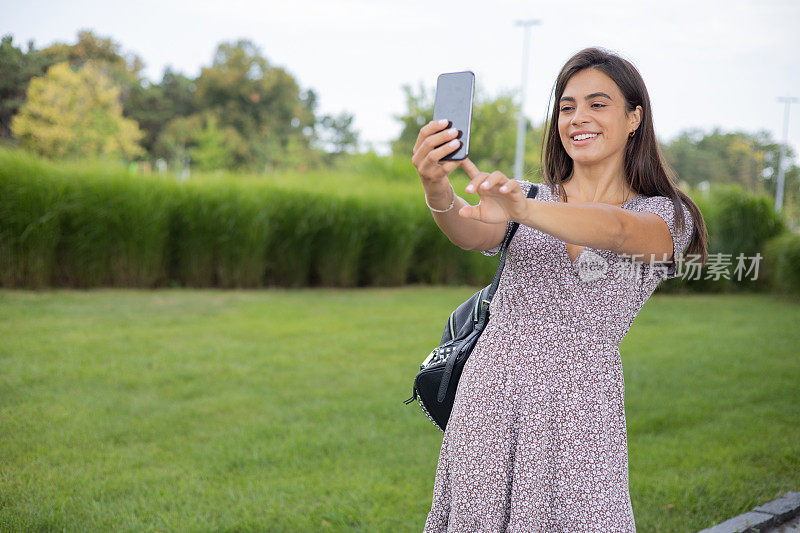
[[762, 517]]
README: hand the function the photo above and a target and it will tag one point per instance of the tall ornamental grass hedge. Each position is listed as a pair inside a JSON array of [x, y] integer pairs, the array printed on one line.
[[782, 268], [86, 225], [738, 223], [76, 226]]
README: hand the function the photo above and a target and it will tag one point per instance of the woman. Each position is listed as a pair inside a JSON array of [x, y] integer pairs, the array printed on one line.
[[537, 438]]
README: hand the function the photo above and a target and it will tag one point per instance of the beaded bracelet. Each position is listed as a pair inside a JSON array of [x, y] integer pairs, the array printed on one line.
[[443, 210]]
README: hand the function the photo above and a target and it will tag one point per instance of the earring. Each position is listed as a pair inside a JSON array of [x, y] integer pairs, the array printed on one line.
[[631, 134]]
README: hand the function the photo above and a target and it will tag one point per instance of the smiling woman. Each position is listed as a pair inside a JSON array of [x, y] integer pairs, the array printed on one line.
[[537, 440]]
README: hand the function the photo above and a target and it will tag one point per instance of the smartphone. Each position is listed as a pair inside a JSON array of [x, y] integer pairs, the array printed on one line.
[[454, 93]]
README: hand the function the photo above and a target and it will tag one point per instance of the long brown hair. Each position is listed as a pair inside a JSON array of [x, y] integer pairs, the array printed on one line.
[[646, 170]]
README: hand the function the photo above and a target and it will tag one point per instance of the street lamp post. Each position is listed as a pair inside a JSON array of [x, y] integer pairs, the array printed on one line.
[[779, 192], [520, 152]]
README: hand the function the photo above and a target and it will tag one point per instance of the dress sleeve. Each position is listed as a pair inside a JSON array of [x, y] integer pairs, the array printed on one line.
[[664, 208], [525, 185]]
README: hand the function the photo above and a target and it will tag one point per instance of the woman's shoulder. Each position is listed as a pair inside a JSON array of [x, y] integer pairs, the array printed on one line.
[[664, 207], [655, 203]]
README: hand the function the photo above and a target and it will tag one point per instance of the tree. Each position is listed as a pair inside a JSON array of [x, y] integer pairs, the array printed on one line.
[[495, 136], [71, 114], [125, 69], [419, 110], [199, 136], [492, 137], [153, 106], [17, 69], [749, 160], [263, 103], [336, 134]]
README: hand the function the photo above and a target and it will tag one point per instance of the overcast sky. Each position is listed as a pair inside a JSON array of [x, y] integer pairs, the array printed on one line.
[[705, 63]]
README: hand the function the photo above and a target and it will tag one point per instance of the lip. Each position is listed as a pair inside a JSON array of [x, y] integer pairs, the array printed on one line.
[[581, 132], [585, 141]]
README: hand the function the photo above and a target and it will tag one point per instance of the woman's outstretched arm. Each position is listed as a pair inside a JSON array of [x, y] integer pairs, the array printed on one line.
[[643, 235]]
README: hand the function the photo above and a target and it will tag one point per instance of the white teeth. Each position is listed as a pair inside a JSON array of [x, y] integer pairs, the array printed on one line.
[[585, 136]]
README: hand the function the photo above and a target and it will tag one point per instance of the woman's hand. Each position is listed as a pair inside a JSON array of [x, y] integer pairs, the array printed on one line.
[[501, 198], [426, 159]]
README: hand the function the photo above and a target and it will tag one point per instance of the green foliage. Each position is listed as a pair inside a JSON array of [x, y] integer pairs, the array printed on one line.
[[59, 228], [336, 134], [389, 221], [73, 114], [262, 102], [493, 135], [153, 106], [738, 223], [108, 238], [214, 147], [394, 168], [218, 235], [263, 121], [125, 69], [76, 226], [200, 138], [30, 193], [735, 158], [742, 222], [419, 110], [16, 70], [261, 118], [361, 223], [493, 144], [782, 263]]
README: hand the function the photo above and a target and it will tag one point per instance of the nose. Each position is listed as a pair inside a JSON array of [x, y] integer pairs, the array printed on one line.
[[577, 118]]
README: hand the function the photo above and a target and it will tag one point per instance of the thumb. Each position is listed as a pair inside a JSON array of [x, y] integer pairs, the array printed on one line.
[[469, 211]]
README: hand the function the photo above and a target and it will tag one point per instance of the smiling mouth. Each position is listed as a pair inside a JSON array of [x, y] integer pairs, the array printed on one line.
[[583, 141]]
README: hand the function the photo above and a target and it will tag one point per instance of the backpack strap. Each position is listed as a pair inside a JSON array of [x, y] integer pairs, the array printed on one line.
[[444, 385], [534, 190]]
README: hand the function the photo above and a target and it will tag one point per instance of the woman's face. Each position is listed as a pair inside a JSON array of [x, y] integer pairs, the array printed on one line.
[[592, 102]]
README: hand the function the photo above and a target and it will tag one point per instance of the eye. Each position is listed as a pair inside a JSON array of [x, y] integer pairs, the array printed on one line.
[[563, 109]]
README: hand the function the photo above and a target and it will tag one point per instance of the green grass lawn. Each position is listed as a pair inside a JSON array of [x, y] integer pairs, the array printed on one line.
[[282, 410]]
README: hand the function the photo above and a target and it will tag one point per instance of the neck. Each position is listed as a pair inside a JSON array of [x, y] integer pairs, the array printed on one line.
[[603, 181]]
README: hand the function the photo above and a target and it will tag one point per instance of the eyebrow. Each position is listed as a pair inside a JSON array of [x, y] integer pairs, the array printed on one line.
[[588, 97]]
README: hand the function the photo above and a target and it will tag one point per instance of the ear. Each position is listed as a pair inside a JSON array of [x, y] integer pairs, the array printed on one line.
[[635, 117]]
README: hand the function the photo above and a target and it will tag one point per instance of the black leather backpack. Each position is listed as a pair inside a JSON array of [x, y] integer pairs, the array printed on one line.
[[437, 380]]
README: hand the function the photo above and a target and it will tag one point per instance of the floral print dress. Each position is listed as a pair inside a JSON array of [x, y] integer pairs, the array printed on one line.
[[536, 441]]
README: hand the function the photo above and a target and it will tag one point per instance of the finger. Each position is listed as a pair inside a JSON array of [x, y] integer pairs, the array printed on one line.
[[494, 180], [470, 168], [510, 186], [477, 182], [434, 156], [489, 183], [424, 131], [431, 142], [475, 175], [431, 127]]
